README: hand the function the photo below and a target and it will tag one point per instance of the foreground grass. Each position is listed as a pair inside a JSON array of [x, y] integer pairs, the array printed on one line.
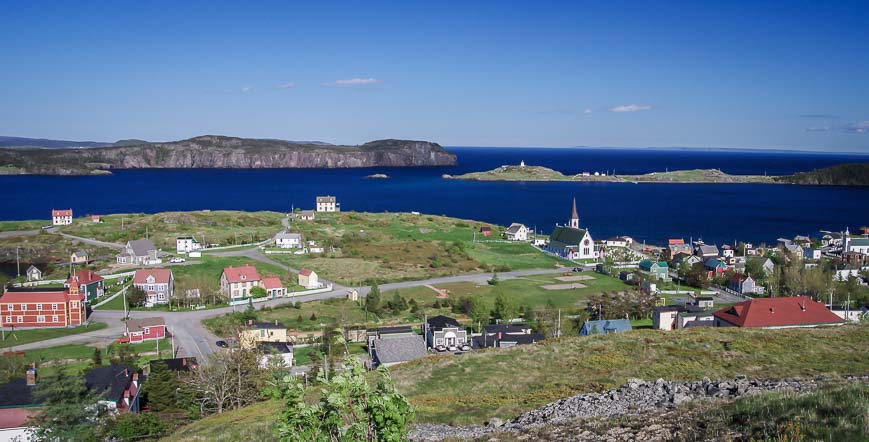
[[505, 383], [253, 423], [20, 337], [832, 413]]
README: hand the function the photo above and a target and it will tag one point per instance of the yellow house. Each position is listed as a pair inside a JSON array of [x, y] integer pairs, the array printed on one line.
[[259, 332], [308, 279]]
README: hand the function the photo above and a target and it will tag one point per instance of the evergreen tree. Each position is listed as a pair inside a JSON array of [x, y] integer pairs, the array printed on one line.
[[372, 301], [161, 387], [97, 358], [69, 411]]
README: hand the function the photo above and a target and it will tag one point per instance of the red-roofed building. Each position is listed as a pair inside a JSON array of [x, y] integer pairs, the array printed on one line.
[[90, 284], [143, 329], [672, 242], [158, 285], [795, 311], [236, 282], [43, 308], [274, 287], [61, 217]]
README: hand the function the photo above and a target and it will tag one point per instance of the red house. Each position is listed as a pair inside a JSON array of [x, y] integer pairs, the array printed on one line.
[[789, 312], [143, 329], [43, 307], [486, 231]]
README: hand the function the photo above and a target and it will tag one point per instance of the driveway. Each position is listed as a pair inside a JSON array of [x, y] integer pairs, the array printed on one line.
[[92, 242]]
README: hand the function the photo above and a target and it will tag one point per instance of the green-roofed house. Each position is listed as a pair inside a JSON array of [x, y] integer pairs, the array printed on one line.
[[570, 241], [658, 269]]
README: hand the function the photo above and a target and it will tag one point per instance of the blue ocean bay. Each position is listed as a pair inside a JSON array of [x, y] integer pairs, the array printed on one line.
[[719, 213]]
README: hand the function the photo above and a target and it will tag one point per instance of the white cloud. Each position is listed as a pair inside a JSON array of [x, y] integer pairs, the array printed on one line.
[[861, 127], [587, 111], [631, 108], [246, 89], [286, 86], [353, 82], [818, 129]]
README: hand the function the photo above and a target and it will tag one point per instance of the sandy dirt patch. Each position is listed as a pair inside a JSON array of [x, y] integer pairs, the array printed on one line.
[[575, 278], [575, 285]]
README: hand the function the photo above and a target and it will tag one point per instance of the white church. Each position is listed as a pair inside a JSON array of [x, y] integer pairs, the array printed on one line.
[[570, 241]]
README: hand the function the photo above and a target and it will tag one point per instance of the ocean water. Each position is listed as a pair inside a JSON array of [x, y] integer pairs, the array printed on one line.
[[719, 213]]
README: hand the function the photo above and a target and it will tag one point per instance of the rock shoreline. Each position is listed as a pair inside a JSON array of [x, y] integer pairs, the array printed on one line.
[[635, 397]]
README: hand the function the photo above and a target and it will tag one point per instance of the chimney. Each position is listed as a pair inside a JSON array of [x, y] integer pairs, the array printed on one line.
[[499, 336], [31, 375], [136, 379]]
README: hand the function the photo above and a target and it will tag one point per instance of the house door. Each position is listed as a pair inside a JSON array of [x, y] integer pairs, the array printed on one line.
[[451, 342]]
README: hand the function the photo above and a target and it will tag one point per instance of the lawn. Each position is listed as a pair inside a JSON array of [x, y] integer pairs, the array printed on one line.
[[27, 336], [401, 246], [446, 390], [253, 422], [212, 227], [75, 358]]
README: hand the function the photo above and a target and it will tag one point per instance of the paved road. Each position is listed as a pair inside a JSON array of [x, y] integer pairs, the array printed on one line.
[[92, 242], [193, 339]]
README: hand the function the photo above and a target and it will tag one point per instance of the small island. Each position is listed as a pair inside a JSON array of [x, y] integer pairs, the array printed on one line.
[[841, 175], [378, 176]]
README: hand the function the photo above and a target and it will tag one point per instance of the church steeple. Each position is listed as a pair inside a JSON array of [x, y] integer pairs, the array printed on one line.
[[574, 216]]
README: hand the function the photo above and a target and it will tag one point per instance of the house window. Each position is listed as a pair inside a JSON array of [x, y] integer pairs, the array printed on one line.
[[73, 304], [54, 318], [8, 319], [54, 306], [147, 330], [150, 287], [20, 319], [161, 296], [23, 307], [40, 319], [39, 307], [262, 333], [9, 307]]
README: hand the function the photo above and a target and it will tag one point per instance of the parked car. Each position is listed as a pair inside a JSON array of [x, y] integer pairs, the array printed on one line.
[[466, 347], [176, 260], [222, 344], [440, 348], [46, 227], [577, 269]]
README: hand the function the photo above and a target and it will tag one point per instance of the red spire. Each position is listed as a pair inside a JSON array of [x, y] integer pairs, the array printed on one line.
[[573, 214]]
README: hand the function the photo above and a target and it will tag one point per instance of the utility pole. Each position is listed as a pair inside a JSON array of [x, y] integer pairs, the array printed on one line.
[[559, 324], [124, 294], [18, 261]]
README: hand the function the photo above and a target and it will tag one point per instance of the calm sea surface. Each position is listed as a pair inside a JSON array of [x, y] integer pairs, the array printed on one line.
[[718, 213]]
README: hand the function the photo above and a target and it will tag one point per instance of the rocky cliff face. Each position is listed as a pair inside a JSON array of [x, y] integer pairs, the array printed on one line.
[[228, 152]]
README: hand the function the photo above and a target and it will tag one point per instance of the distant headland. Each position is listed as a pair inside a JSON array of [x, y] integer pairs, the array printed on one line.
[[217, 152], [856, 174]]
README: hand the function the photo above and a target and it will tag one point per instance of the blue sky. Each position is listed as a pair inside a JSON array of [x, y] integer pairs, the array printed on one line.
[[789, 75]]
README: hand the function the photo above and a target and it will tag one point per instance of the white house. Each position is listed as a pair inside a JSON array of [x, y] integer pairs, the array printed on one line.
[[186, 244], [288, 240], [327, 204], [516, 232], [859, 245], [61, 217]]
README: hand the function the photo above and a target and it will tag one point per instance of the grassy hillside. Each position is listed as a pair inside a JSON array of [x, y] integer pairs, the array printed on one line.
[[403, 246], [505, 383], [246, 424], [224, 227]]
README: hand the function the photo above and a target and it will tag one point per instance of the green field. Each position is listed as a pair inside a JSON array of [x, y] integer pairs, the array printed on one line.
[[48, 251], [33, 224], [20, 337], [400, 246], [75, 358], [213, 227], [444, 390], [252, 423]]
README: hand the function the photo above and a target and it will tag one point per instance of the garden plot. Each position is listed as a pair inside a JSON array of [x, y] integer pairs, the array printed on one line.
[[572, 286], [574, 278]]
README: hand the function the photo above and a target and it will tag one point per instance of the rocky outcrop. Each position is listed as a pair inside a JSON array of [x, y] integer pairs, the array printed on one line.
[[227, 152], [635, 397]]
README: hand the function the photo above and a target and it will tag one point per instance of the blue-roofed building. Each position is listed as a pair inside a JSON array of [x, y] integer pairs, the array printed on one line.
[[605, 327], [715, 266]]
